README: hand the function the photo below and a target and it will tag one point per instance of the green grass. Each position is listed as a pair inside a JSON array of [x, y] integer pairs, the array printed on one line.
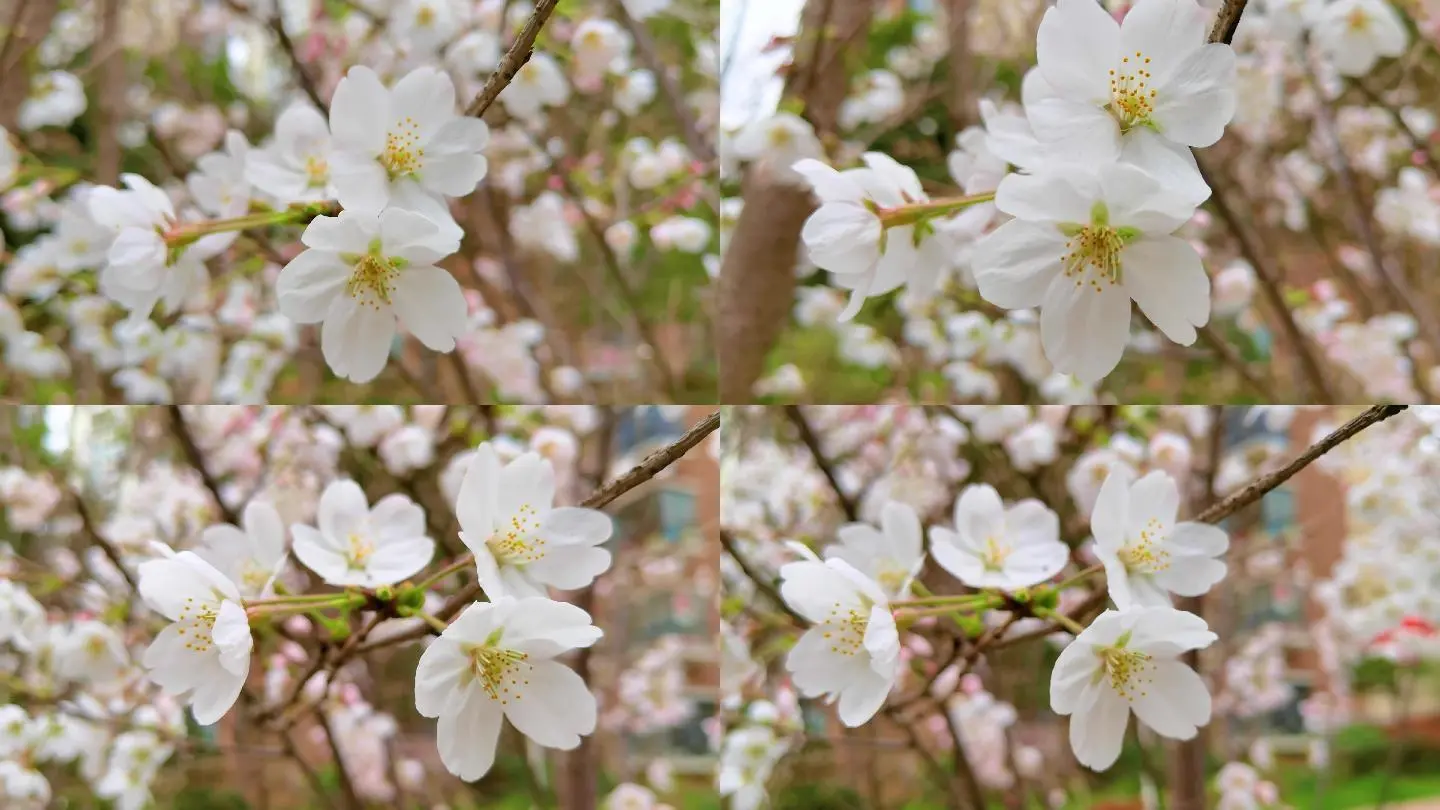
[[1298, 789]]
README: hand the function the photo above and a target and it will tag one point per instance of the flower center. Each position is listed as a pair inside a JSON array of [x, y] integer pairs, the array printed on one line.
[[501, 673], [1132, 99], [1141, 554], [1094, 248], [197, 623], [517, 544], [373, 280], [1127, 670], [425, 17], [253, 577], [993, 557], [403, 154], [1358, 20], [845, 630], [361, 550], [1092, 252], [317, 171]]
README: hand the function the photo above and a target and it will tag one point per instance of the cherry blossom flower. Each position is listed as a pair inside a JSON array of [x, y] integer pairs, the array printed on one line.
[[1355, 34], [994, 546], [851, 654], [1130, 661], [360, 274], [294, 167], [203, 655], [404, 146], [1146, 553], [1143, 89], [1082, 245], [847, 237], [521, 541], [252, 556], [891, 556], [355, 544], [496, 661]]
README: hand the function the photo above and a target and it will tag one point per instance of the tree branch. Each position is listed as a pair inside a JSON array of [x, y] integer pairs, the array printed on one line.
[[514, 59], [1257, 488]]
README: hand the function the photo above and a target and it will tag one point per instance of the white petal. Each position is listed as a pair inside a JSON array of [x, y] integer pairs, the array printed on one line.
[[1200, 538], [1154, 504], [437, 676], [1044, 198], [902, 530], [315, 552], [1074, 133], [309, 284], [1166, 32], [1072, 673], [342, 510], [862, 699], [355, 339], [1167, 280], [980, 515], [1175, 703], [360, 182], [360, 112], [576, 526], [431, 306], [424, 98], [1101, 729], [829, 185], [1015, 263], [467, 738], [1077, 45], [1110, 519], [555, 707], [1084, 330], [1199, 99], [476, 503]]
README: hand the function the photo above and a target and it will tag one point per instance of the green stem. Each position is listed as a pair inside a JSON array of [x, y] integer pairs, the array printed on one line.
[[182, 235], [952, 601], [1062, 620], [453, 568], [1080, 577], [434, 621], [919, 212]]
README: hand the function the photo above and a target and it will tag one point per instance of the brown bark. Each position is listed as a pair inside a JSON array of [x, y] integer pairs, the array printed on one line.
[[757, 275], [961, 67], [28, 22]]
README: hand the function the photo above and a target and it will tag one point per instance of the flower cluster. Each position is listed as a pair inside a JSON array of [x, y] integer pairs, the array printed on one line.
[[900, 572], [251, 203], [259, 584]]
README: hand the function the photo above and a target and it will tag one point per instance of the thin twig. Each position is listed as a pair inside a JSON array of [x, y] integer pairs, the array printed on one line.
[[87, 522], [1257, 488], [514, 59], [1226, 21], [197, 460], [695, 140], [1269, 279], [847, 503]]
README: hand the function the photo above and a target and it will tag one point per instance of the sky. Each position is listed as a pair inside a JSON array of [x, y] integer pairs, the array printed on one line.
[[749, 88]]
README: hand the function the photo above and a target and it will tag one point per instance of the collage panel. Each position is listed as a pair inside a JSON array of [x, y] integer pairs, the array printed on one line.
[[960, 200], [347, 201], [935, 607], [269, 607]]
